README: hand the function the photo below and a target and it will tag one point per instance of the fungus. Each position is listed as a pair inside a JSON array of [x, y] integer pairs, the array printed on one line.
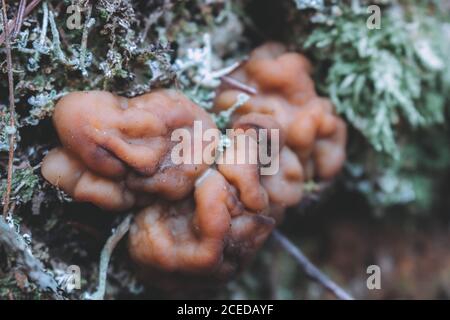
[[215, 232], [239, 165], [286, 91], [285, 188], [116, 155], [199, 220], [64, 170], [123, 144], [211, 234]]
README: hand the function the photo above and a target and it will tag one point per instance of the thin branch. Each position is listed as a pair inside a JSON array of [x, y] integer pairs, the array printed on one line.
[[19, 18], [12, 24], [308, 267], [239, 85], [273, 271], [12, 107], [153, 18], [105, 256], [84, 40], [33, 267], [56, 39]]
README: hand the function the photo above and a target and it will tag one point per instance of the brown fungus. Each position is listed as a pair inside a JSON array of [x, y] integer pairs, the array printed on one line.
[[285, 91], [216, 232], [211, 234], [283, 186], [64, 170], [124, 142], [199, 220], [117, 154]]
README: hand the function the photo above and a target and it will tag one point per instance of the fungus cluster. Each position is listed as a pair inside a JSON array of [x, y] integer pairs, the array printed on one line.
[[119, 145], [285, 91], [198, 220]]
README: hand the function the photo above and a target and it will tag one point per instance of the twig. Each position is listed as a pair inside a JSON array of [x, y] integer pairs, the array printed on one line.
[[310, 269], [44, 27], [105, 256], [223, 117], [273, 272], [84, 39], [153, 18], [239, 85], [12, 107], [41, 48], [11, 24], [15, 244], [19, 19]]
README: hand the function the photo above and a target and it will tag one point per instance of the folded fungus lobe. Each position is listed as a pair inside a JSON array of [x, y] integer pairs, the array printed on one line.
[[199, 220]]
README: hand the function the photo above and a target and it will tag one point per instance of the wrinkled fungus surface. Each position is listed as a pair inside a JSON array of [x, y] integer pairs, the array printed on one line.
[[199, 221], [122, 144], [212, 232], [285, 91]]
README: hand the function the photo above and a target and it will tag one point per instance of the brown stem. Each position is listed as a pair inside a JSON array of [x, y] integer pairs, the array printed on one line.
[[308, 267], [11, 24], [239, 85], [20, 17], [12, 134]]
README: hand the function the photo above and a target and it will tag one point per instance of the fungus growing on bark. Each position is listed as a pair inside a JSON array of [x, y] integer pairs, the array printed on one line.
[[199, 220], [203, 221]]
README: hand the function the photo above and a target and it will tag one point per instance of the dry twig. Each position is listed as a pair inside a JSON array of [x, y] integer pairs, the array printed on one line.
[[105, 256], [239, 85], [153, 18], [12, 125], [309, 268], [19, 18], [16, 23], [84, 40]]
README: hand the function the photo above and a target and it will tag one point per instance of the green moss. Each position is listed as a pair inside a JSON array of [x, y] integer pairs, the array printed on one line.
[[24, 184], [392, 86], [382, 79], [10, 289]]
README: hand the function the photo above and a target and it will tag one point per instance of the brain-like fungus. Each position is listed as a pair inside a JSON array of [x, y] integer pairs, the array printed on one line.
[[280, 187], [285, 90], [199, 220], [123, 145], [63, 169], [215, 232], [211, 234]]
